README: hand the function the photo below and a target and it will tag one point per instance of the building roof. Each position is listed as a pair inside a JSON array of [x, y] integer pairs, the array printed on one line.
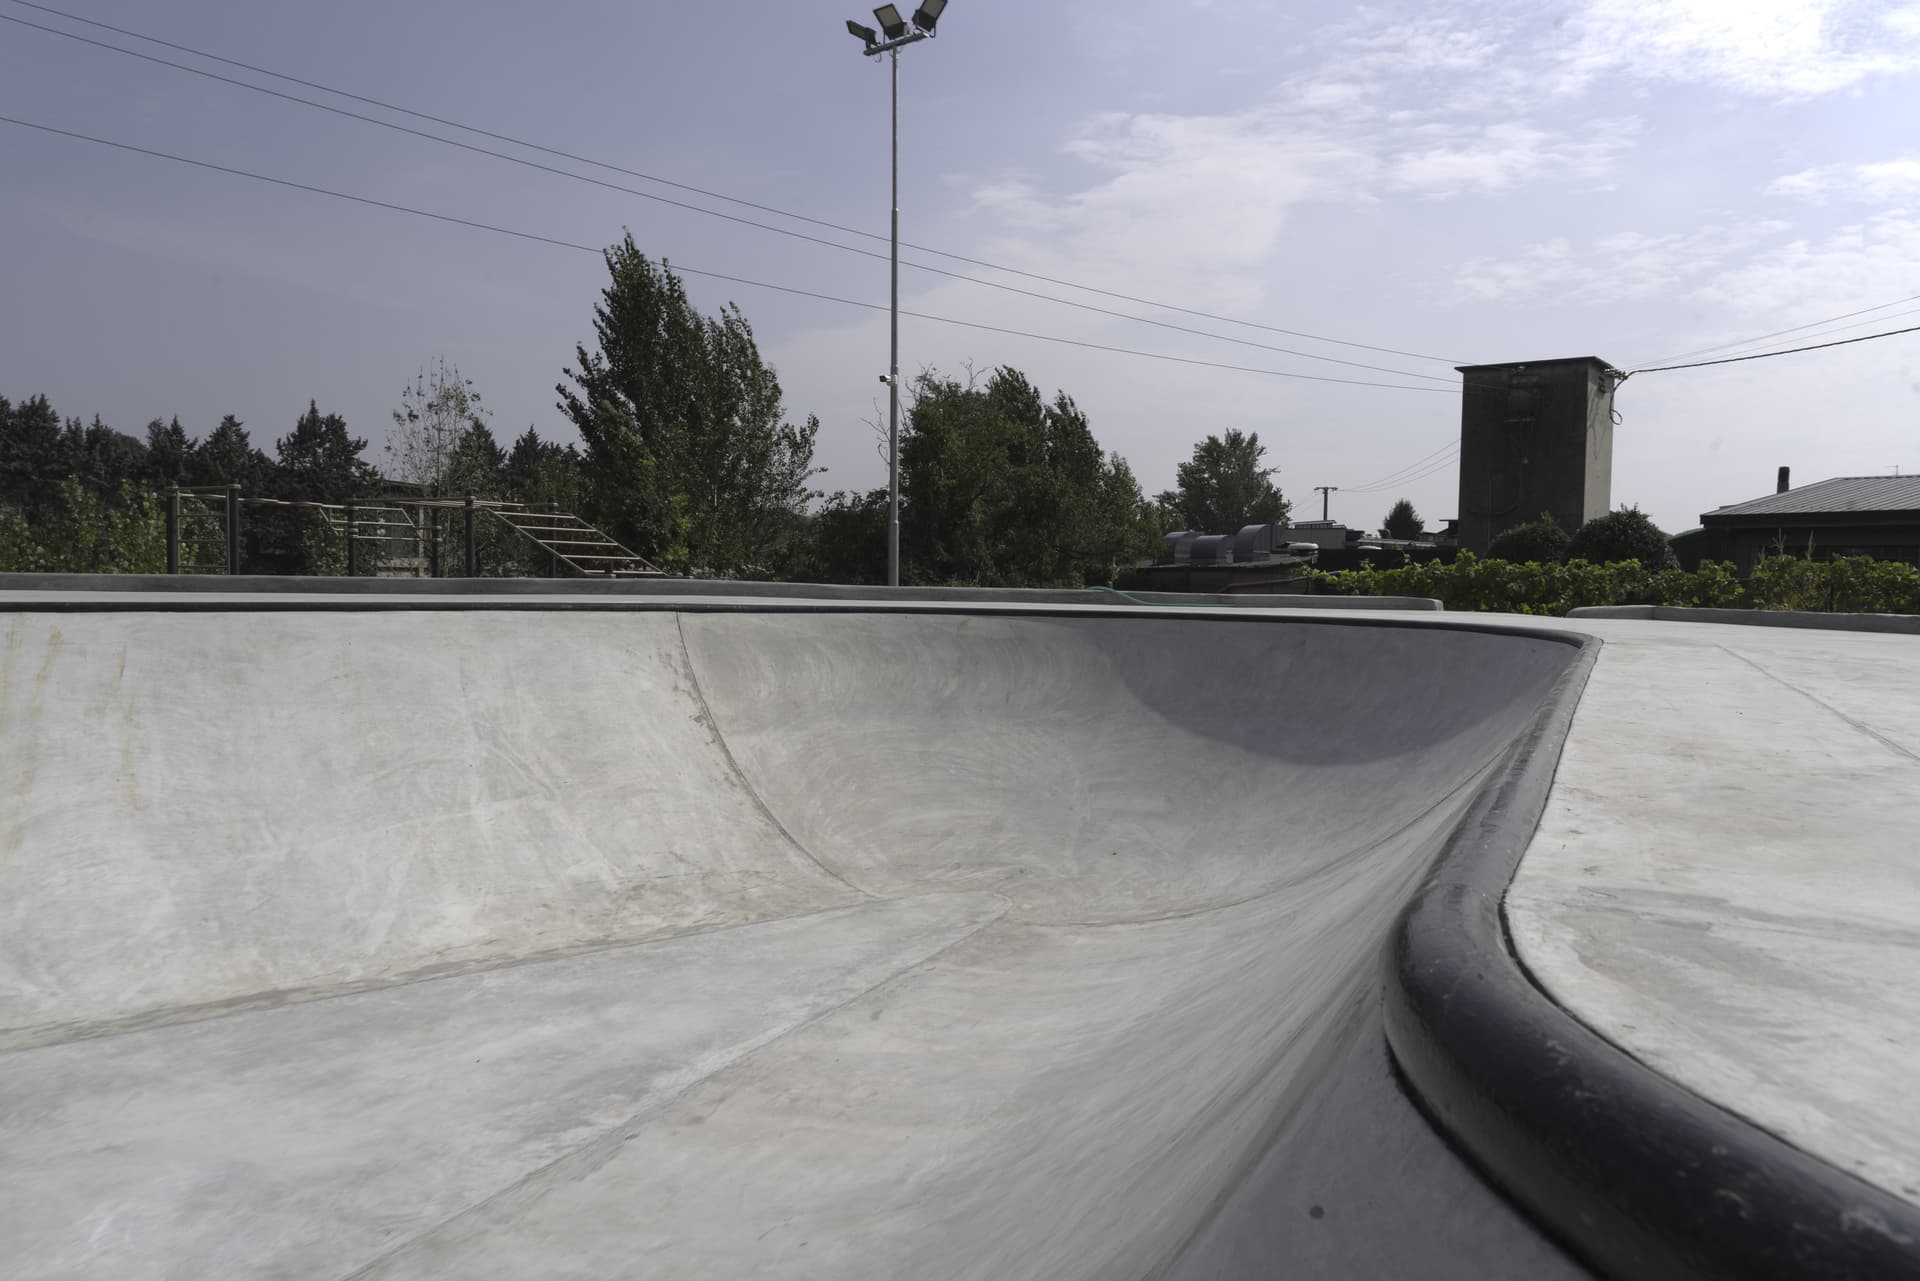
[[1517, 364], [1841, 494]]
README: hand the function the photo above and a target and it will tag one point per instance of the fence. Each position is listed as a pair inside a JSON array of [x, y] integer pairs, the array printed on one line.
[[399, 536]]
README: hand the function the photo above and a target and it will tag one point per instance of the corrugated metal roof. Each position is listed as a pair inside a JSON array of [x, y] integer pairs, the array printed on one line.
[[1841, 494]]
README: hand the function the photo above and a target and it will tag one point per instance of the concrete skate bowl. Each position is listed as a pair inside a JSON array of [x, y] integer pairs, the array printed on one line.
[[545, 943]]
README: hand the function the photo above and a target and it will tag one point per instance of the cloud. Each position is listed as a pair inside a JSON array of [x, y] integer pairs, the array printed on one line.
[[1848, 267], [1621, 267], [1767, 48], [1887, 180], [1502, 156]]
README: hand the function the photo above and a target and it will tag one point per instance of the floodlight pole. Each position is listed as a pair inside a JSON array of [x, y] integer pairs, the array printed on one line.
[[893, 363], [892, 49]]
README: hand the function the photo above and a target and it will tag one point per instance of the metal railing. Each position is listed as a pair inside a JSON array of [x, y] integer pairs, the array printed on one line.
[[402, 533]]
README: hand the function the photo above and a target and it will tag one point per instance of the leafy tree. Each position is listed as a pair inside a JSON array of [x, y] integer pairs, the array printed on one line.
[[84, 533], [688, 457], [1223, 486], [846, 540], [1627, 534], [1001, 487], [1539, 541], [436, 412], [1403, 522]]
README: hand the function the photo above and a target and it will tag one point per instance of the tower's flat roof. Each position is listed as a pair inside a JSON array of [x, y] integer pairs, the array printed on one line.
[[1559, 360]]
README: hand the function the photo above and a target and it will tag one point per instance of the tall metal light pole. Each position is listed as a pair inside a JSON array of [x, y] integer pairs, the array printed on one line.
[[890, 39]]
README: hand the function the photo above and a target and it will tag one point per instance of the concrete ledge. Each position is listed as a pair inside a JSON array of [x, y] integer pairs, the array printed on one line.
[[646, 587], [1638, 1176], [1905, 624]]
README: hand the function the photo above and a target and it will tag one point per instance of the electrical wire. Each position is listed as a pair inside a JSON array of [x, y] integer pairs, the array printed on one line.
[[1778, 333], [1393, 477], [714, 195], [1452, 459], [1789, 351], [1740, 348], [711, 275]]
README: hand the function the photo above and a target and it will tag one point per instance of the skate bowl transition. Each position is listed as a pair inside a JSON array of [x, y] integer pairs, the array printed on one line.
[[349, 939]]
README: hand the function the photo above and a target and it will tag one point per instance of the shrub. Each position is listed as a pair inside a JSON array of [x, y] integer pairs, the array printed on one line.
[[1847, 585], [1628, 534], [1534, 540]]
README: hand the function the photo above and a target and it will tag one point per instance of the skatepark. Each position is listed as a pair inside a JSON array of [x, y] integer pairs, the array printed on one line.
[[659, 932]]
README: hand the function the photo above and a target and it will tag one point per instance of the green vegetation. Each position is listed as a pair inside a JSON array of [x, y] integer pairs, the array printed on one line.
[[1534, 540], [1627, 534], [1845, 585], [1223, 487], [1403, 522]]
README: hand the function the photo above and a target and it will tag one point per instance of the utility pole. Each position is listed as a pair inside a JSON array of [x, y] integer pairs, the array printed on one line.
[[1326, 492], [896, 37]]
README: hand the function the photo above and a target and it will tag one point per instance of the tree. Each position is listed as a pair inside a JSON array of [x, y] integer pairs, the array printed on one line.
[[320, 461], [1001, 487], [1541, 541], [1627, 534], [227, 457], [436, 412], [1403, 522], [167, 451], [35, 455], [1223, 487], [688, 456]]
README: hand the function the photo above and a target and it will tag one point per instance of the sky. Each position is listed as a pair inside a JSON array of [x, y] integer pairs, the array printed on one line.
[[1432, 184]]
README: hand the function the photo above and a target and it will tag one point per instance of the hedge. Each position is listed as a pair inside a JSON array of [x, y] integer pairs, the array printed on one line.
[[1852, 584]]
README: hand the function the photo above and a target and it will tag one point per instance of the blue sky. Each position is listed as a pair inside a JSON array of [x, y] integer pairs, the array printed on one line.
[[1477, 181]]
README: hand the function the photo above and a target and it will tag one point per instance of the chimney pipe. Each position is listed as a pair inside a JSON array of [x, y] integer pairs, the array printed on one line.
[[1781, 487]]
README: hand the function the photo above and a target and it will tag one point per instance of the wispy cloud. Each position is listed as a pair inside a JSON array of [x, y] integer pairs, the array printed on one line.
[[1769, 48], [1879, 182], [1621, 267]]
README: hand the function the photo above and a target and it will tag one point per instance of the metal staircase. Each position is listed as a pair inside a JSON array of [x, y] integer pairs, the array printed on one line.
[[568, 540]]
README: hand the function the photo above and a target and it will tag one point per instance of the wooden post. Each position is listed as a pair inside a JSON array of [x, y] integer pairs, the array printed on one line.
[[173, 530]]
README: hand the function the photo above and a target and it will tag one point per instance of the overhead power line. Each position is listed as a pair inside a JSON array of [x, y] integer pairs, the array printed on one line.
[[694, 271], [1779, 333], [710, 194], [1394, 477], [1449, 458], [1789, 351], [1740, 348]]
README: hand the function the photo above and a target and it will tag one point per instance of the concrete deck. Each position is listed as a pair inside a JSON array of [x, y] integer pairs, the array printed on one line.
[[1726, 880], [526, 941]]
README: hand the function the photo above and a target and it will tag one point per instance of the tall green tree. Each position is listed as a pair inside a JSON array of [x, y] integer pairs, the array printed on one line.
[[227, 457], [35, 455], [1403, 522], [167, 449], [1223, 486], [689, 458], [1001, 487]]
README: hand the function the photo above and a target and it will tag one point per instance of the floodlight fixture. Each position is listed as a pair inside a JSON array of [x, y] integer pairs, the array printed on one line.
[[867, 34], [891, 23], [928, 14]]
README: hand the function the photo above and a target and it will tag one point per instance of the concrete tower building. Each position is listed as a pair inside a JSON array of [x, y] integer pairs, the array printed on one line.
[[1534, 437]]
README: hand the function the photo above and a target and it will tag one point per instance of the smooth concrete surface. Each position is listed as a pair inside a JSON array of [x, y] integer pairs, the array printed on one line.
[[1726, 880], [548, 943]]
